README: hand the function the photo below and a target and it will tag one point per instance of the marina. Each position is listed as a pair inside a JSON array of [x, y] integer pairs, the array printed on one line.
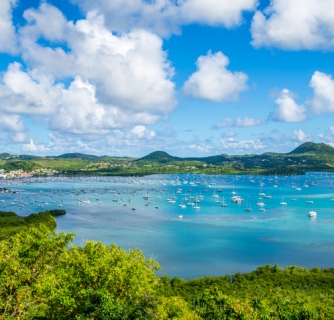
[[193, 225]]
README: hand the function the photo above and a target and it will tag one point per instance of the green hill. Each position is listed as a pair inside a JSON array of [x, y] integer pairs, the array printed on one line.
[[315, 148], [160, 157], [25, 165], [5, 155], [81, 156]]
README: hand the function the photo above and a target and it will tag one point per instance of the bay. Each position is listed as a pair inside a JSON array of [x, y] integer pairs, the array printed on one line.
[[134, 212]]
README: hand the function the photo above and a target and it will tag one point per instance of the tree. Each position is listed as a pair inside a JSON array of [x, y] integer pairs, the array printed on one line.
[[42, 276]]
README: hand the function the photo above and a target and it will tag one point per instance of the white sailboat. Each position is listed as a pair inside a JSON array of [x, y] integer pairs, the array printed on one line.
[[283, 203], [224, 204], [309, 200]]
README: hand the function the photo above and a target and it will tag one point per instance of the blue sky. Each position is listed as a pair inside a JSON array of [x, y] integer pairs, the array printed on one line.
[[190, 77]]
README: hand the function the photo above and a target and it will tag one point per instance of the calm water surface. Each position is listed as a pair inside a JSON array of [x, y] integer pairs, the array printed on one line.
[[212, 240]]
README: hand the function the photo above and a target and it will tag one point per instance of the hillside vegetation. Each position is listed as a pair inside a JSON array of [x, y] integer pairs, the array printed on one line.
[[42, 276], [11, 223], [307, 157]]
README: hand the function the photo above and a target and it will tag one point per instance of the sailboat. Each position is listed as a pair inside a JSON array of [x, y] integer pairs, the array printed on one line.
[[248, 208], [309, 200], [223, 203], [283, 203]]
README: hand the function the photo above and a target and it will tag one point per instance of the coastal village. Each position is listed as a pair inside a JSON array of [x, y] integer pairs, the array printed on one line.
[[22, 174]]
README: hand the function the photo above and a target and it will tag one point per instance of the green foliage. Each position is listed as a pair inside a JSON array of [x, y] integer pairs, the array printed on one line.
[[283, 170], [57, 212], [61, 164], [215, 305], [81, 156], [43, 277], [25, 165], [307, 157], [266, 293], [318, 149], [11, 223], [159, 157]]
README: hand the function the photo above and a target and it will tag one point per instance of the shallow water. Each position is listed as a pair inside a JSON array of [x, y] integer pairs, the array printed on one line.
[[213, 240]]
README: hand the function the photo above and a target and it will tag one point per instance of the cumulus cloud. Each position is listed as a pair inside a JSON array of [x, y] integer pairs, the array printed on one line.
[[7, 35], [323, 86], [116, 81], [141, 131], [130, 69], [25, 93], [212, 80], [167, 16], [288, 110], [242, 145], [301, 136], [11, 123], [201, 148], [295, 25], [32, 147], [239, 122], [18, 137]]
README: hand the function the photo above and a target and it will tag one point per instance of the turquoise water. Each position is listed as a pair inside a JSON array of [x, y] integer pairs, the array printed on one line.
[[213, 240]]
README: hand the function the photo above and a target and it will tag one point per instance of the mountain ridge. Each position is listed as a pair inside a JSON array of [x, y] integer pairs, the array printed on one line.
[[164, 157]]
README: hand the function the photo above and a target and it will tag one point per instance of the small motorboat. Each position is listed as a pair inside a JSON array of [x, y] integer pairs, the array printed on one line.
[[312, 214]]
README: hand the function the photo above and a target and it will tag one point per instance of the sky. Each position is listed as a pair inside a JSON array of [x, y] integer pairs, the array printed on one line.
[[189, 77]]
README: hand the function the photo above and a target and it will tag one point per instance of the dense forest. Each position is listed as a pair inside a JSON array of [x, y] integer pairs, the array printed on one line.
[[44, 276]]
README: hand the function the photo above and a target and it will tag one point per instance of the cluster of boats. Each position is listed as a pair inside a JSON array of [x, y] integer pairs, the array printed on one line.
[[185, 190]]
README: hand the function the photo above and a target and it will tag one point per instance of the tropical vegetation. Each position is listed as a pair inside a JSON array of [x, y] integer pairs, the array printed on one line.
[[44, 276], [307, 157]]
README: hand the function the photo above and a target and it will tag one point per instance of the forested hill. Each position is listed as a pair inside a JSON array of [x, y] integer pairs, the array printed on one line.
[[160, 157], [308, 156], [81, 156], [314, 148]]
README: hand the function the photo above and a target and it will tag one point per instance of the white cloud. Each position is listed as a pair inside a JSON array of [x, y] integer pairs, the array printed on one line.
[[212, 81], [18, 137], [129, 70], [323, 86], [242, 145], [288, 110], [228, 134], [295, 25], [239, 122], [201, 148], [7, 35], [167, 16], [301, 136], [32, 147], [247, 122], [327, 136], [26, 93], [11, 123], [227, 122], [141, 131], [118, 80]]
